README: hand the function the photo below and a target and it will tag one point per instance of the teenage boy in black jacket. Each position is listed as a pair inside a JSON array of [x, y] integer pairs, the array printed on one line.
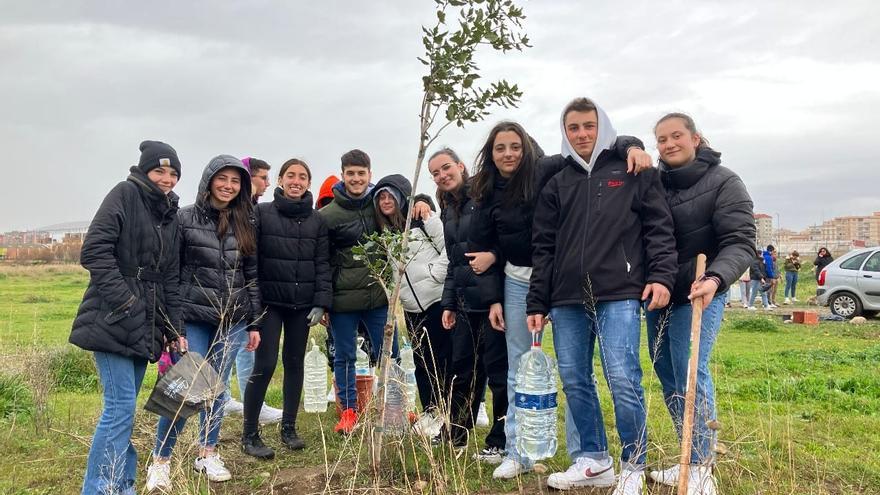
[[603, 242]]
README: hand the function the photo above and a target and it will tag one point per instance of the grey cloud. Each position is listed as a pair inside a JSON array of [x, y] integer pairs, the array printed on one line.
[[85, 81]]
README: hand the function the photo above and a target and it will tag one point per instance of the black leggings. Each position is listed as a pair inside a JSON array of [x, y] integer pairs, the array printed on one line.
[[432, 349], [479, 355], [296, 335]]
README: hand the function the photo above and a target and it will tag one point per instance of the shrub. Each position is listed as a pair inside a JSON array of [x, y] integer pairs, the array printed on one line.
[[73, 370], [15, 397]]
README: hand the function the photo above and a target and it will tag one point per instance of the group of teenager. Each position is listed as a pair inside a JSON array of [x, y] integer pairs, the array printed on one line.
[[588, 238]]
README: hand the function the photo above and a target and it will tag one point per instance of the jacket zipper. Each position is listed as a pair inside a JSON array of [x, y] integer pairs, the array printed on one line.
[[153, 290], [587, 227], [413, 290]]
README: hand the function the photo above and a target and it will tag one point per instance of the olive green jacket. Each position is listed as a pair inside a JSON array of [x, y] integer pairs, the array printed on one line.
[[348, 222]]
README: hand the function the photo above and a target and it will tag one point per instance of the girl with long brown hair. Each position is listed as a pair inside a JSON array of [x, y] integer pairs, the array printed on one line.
[[220, 299]]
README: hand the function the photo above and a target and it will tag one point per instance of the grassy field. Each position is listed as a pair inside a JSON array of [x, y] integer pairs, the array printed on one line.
[[799, 405]]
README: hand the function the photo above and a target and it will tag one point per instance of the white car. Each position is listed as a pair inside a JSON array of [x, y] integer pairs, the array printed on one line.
[[850, 285]]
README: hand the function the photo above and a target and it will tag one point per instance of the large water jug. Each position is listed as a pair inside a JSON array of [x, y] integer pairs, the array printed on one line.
[[315, 381], [408, 364], [395, 422], [536, 403], [362, 360]]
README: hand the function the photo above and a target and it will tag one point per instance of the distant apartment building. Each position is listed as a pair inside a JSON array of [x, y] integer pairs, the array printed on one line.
[[70, 232], [764, 228], [839, 235], [25, 238]]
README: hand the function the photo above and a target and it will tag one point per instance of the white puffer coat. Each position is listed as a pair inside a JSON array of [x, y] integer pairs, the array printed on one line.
[[422, 284]]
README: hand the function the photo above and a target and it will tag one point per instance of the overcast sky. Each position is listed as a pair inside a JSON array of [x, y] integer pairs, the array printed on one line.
[[789, 92]]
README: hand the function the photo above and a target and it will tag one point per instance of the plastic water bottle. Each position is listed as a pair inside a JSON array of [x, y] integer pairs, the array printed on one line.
[[536, 404], [395, 401], [315, 382], [362, 360], [408, 364]]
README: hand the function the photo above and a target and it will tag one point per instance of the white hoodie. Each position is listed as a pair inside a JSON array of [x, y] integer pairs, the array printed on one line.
[[604, 140]]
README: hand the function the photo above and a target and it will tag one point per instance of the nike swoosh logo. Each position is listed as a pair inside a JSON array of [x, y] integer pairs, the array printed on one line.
[[590, 474]]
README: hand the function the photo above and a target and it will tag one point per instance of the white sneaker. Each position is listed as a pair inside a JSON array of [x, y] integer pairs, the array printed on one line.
[[630, 482], [270, 415], [233, 408], [159, 476], [752, 308], [773, 306], [428, 425], [509, 469], [701, 481], [213, 468], [787, 301], [794, 299], [482, 417], [584, 472], [668, 477]]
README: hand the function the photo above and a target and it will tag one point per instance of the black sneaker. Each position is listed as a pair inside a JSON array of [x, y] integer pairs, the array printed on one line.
[[290, 438], [252, 445]]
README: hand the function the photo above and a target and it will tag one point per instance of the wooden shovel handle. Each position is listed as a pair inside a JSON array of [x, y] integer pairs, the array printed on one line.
[[687, 427]]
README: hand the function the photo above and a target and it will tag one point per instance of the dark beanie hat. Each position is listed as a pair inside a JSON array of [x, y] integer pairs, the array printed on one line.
[[154, 154]]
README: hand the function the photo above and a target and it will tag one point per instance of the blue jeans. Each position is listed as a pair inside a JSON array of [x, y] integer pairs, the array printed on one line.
[[756, 289], [791, 280], [519, 341], [112, 462], [344, 329], [219, 348], [744, 291], [616, 326], [669, 337], [244, 365]]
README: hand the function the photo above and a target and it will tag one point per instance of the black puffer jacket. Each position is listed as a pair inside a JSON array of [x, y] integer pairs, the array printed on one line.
[[294, 254], [132, 303], [215, 279], [713, 215], [463, 290]]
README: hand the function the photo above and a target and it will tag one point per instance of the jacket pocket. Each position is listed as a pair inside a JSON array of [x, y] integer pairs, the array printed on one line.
[[123, 320]]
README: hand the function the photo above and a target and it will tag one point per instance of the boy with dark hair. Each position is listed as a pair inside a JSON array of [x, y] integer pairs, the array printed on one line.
[[603, 242], [259, 177], [772, 275], [357, 298]]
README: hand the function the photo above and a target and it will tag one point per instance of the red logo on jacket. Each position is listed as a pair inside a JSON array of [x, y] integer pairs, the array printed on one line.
[[615, 183]]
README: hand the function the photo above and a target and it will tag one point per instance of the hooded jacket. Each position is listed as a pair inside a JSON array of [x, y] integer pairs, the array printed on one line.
[[293, 253], [713, 215], [325, 193], [769, 264], [599, 234], [463, 290], [426, 260], [132, 304], [217, 283], [349, 220]]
